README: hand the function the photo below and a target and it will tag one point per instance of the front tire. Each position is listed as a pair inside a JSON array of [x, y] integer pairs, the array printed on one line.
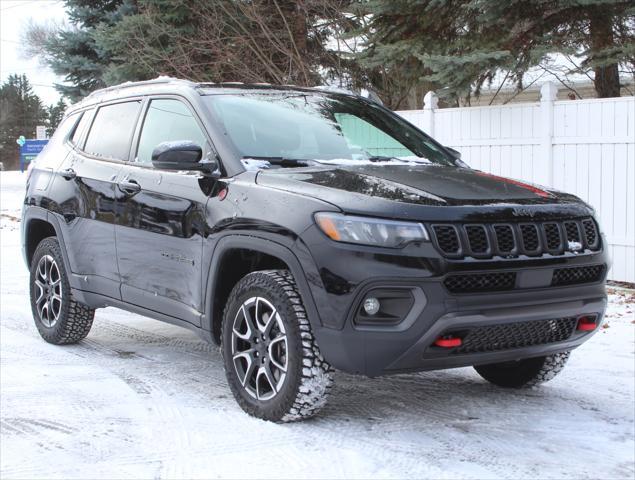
[[524, 373], [58, 317], [273, 364]]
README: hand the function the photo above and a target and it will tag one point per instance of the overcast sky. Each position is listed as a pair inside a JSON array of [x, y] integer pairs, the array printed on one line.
[[14, 16]]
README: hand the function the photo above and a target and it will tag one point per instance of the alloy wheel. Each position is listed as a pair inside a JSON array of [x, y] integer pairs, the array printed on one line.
[[48, 282], [259, 348]]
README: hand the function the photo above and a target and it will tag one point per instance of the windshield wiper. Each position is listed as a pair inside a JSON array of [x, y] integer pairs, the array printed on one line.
[[382, 158], [283, 161]]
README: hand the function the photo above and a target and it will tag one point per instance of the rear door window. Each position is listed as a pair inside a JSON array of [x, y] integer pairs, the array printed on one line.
[[112, 129]]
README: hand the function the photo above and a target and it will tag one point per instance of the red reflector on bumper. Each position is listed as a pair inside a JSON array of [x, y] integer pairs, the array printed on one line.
[[586, 324], [448, 342]]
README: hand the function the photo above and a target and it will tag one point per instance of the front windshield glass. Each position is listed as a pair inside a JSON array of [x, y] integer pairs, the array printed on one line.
[[327, 128]]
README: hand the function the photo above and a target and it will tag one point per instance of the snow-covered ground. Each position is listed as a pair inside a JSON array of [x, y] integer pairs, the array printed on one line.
[[141, 399]]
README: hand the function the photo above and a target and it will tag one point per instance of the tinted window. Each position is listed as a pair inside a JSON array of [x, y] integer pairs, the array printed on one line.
[[63, 131], [81, 126], [110, 134], [167, 120], [64, 128]]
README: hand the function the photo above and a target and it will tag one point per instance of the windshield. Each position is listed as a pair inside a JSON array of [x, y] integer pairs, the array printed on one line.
[[305, 127]]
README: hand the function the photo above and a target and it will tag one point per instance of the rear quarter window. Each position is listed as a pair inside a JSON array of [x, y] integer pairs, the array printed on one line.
[[111, 131], [64, 129], [81, 126]]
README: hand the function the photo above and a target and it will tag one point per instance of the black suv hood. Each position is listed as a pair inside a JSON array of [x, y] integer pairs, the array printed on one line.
[[368, 187]]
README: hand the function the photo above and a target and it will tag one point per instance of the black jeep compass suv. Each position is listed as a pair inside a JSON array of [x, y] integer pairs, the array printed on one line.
[[304, 230]]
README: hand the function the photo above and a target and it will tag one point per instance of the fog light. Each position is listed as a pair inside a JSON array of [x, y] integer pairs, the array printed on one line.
[[371, 305]]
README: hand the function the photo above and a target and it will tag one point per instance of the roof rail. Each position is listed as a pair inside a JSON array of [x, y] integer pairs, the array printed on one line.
[[364, 93], [159, 80]]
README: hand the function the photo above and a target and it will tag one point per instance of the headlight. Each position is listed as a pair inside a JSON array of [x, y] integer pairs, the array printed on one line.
[[369, 231]]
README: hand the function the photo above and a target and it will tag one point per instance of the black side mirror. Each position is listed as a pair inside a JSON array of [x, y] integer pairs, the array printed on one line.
[[181, 155], [455, 153]]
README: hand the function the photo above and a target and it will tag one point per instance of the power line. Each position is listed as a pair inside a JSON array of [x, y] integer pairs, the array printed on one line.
[[23, 4], [22, 69]]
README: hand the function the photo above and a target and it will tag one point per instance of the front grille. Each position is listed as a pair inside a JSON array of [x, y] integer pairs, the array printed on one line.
[[529, 233], [480, 282], [590, 232], [514, 239], [447, 239], [577, 275], [573, 232], [492, 338], [552, 236], [477, 238], [504, 238]]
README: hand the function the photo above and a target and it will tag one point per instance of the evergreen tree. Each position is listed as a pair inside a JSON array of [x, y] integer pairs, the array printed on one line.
[[277, 41], [460, 45], [74, 53], [54, 115], [21, 111]]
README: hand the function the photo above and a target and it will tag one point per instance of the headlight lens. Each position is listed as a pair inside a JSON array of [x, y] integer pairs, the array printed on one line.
[[369, 231]]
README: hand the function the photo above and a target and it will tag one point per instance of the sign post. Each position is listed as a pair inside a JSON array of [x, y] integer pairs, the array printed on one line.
[[29, 149]]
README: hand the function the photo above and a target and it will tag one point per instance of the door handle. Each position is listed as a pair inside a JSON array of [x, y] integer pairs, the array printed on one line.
[[129, 187], [68, 174]]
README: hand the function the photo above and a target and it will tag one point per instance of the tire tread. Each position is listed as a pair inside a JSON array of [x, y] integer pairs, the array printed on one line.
[[528, 373], [75, 319], [316, 374]]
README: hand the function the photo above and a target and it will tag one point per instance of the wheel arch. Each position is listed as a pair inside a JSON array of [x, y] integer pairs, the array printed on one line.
[[253, 254], [38, 225]]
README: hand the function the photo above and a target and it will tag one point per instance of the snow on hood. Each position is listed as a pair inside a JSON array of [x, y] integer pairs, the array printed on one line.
[[252, 164]]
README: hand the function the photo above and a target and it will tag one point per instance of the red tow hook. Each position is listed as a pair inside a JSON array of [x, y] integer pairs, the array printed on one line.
[[448, 341], [586, 324]]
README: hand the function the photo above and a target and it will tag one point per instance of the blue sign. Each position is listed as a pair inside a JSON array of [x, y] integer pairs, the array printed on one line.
[[32, 147], [29, 150]]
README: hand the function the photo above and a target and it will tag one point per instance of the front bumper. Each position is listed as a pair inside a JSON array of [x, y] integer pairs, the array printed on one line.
[[349, 274], [377, 352]]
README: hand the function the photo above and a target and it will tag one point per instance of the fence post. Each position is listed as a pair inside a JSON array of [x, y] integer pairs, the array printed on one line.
[[430, 104], [548, 93]]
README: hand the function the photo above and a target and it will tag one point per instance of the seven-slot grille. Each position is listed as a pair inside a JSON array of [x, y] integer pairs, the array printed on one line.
[[511, 239]]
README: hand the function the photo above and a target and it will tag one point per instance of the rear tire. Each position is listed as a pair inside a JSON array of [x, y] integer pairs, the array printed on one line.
[[272, 361], [524, 373], [58, 317]]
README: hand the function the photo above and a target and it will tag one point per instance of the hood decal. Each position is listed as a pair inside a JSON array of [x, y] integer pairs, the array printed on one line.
[[531, 188]]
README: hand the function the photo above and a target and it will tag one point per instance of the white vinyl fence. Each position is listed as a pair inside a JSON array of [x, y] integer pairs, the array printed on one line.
[[585, 147]]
